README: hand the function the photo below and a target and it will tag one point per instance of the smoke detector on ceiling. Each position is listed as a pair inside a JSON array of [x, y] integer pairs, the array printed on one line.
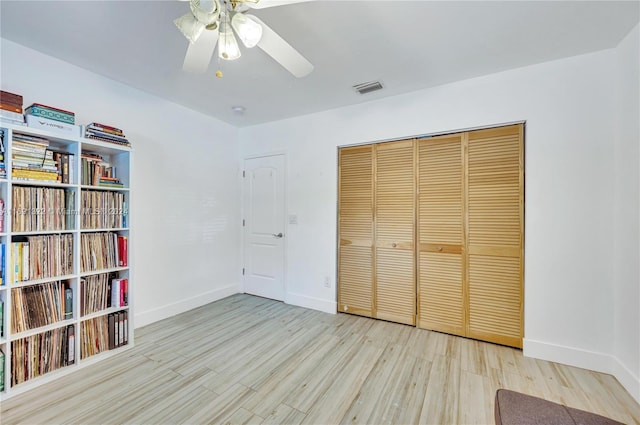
[[364, 88]]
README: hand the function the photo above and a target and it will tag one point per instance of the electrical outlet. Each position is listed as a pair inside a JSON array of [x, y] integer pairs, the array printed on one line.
[[327, 282]]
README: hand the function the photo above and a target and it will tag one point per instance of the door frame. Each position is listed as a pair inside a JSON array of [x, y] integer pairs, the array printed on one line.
[[285, 200]]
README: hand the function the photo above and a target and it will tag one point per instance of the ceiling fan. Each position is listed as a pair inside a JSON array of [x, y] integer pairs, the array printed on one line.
[[215, 22]]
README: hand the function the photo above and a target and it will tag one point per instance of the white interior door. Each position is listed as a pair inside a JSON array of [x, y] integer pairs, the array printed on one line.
[[264, 225]]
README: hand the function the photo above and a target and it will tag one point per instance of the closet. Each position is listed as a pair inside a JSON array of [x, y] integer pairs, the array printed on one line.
[[431, 233]]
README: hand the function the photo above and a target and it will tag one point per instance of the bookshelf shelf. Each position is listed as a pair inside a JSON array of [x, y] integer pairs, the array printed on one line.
[[18, 182], [103, 312], [102, 271], [43, 280], [42, 329], [105, 229], [106, 188], [43, 232], [74, 161]]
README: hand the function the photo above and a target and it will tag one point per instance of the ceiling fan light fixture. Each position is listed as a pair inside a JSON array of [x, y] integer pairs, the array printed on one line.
[[249, 31], [189, 26], [228, 48]]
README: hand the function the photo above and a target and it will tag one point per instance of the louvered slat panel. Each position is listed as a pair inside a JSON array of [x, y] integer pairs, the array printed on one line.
[[356, 195], [395, 243], [494, 189], [395, 294], [440, 188], [355, 276], [440, 300], [495, 298], [395, 192], [355, 227]]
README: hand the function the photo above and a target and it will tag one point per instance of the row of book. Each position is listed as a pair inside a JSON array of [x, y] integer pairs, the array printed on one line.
[[38, 354], [103, 210], [104, 333], [98, 172], [42, 209], [101, 291], [40, 305], [32, 160], [39, 257], [104, 250], [11, 110], [106, 133], [11, 107]]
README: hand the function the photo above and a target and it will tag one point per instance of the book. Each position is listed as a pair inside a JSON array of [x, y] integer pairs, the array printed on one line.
[[1, 318], [111, 330], [71, 353], [120, 328], [125, 326], [11, 107], [122, 251], [12, 98], [15, 116], [104, 127], [124, 297], [115, 293], [47, 124], [52, 114], [1, 370], [68, 303], [3, 255], [53, 108]]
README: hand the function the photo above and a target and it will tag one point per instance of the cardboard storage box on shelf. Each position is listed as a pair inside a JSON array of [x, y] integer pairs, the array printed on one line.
[[51, 125]]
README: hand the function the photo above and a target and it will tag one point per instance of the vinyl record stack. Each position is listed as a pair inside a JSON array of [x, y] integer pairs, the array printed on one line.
[[106, 133], [11, 107]]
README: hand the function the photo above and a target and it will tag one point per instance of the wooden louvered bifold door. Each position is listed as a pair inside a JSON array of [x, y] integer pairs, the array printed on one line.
[[395, 296], [440, 234], [355, 227], [495, 235]]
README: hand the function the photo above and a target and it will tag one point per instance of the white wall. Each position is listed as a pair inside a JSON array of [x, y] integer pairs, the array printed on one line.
[[569, 109], [626, 267], [185, 203]]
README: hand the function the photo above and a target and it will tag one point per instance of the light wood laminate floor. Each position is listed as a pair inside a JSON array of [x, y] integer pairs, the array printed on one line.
[[250, 360]]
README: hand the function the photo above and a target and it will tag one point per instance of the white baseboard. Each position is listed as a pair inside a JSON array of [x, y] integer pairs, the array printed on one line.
[[150, 316], [326, 306], [628, 379], [571, 356], [585, 359]]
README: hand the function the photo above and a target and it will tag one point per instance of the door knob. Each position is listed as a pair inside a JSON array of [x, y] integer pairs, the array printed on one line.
[[279, 235]]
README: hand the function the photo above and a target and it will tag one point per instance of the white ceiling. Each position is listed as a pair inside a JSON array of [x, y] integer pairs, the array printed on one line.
[[408, 45]]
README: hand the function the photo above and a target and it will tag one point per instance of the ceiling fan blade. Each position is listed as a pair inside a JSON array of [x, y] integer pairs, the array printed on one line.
[[276, 47], [199, 53], [263, 4]]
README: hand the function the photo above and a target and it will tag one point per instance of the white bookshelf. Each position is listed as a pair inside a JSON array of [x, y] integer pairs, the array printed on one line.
[[119, 157]]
